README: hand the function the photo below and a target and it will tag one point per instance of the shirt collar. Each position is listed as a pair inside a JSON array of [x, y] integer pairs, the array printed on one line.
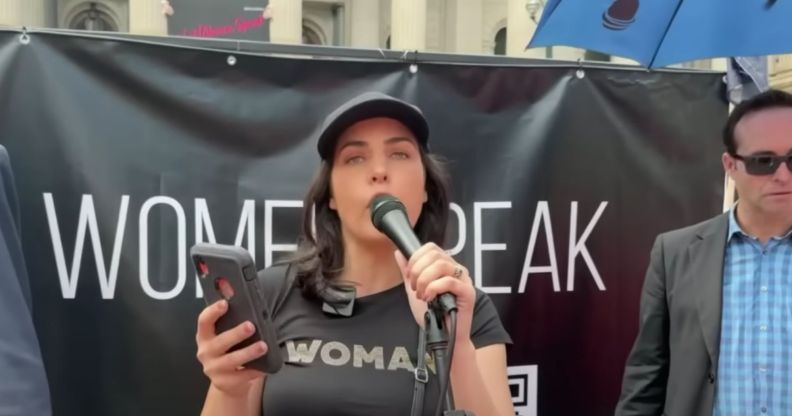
[[734, 227]]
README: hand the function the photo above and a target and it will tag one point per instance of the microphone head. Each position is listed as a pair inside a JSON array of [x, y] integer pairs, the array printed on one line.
[[383, 204]]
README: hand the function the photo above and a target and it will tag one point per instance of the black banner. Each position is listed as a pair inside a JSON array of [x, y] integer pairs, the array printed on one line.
[[128, 153], [237, 19]]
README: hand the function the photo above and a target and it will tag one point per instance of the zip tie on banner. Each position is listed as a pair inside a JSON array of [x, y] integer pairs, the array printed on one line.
[[580, 73], [414, 64], [24, 38]]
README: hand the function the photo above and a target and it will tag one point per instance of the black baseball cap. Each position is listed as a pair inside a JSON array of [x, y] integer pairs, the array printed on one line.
[[370, 105]]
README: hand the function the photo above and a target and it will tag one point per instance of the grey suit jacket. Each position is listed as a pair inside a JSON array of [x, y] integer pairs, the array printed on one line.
[[672, 368], [23, 383]]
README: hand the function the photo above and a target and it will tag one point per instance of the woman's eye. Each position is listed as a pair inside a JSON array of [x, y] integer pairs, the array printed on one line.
[[353, 160], [400, 155]]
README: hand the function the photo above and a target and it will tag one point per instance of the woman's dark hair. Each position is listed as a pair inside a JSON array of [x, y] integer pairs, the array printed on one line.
[[320, 257]]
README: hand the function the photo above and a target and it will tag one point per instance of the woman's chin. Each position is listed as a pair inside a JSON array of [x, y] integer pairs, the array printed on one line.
[[371, 239]]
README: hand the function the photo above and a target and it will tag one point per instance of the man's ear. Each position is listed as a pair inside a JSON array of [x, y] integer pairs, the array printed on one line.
[[729, 163]]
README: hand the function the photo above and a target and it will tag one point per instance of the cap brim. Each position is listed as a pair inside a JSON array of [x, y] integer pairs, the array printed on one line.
[[408, 115]]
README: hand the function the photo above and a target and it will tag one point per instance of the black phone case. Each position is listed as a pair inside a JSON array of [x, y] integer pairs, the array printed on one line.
[[238, 268]]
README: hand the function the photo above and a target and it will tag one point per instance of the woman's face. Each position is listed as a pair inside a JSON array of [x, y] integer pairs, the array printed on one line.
[[374, 156]]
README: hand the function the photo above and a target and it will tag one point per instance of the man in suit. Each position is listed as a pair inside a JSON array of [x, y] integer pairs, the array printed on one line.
[[23, 383], [715, 335]]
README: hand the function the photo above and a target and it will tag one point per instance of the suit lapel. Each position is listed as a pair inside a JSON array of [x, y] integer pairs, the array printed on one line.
[[706, 268]]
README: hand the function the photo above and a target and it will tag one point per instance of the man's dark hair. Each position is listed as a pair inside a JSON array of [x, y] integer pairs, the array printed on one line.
[[763, 101]]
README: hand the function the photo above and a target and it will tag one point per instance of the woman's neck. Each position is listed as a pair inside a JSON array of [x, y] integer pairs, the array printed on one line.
[[371, 267]]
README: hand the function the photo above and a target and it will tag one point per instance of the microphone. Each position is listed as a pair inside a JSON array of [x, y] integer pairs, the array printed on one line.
[[389, 216]]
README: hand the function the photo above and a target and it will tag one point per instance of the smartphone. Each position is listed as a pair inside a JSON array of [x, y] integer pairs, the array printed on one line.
[[229, 272]]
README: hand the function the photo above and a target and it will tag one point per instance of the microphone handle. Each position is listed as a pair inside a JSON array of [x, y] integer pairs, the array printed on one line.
[[404, 237], [407, 242], [446, 301]]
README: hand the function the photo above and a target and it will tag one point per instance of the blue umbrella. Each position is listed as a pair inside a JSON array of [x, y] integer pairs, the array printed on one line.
[[657, 33]]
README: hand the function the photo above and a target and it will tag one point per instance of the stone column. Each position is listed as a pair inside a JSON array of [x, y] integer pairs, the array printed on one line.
[[619, 60], [408, 25], [11, 12], [520, 28], [364, 24], [286, 23], [34, 13], [465, 31], [146, 18]]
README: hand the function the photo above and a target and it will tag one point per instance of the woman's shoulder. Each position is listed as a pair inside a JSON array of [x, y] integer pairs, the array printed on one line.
[[482, 300], [275, 275], [487, 327], [275, 283]]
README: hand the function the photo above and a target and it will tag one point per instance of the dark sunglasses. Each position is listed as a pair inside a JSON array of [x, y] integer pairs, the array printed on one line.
[[764, 164]]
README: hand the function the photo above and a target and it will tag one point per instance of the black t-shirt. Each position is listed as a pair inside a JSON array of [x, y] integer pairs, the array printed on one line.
[[357, 365]]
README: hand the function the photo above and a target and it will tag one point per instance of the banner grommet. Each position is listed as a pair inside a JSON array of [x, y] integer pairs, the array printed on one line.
[[24, 38]]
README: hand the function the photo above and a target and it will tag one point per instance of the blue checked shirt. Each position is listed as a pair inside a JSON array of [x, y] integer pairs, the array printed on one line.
[[755, 364]]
